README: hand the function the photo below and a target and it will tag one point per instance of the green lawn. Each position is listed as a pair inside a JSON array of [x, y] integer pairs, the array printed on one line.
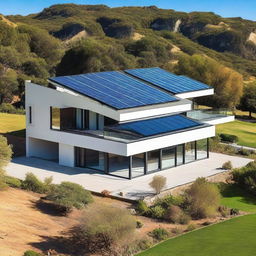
[[235, 197], [245, 131], [235, 237], [10, 123]]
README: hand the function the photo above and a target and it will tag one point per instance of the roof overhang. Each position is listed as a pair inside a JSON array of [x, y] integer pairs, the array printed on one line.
[[194, 94]]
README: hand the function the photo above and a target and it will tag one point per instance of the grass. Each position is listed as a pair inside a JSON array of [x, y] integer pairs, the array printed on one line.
[[235, 237], [235, 197], [12, 123], [245, 131]]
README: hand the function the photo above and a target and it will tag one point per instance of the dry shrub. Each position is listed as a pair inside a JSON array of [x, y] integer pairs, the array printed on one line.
[[105, 193], [158, 183], [105, 229], [203, 199], [227, 165], [176, 215]]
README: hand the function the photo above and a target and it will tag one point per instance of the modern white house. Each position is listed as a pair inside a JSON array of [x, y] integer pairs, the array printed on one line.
[[123, 123]]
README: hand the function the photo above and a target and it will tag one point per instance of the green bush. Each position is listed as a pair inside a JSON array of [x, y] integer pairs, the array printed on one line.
[[32, 183], [31, 253], [9, 108], [3, 185], [168, 200], [68, 195], [157, 212], [244, 152], [234, 211], [12, 182], [224, 211], [139, 224], [227, 165], [202, 199], [142, 207], [228, 138], [159, 234]]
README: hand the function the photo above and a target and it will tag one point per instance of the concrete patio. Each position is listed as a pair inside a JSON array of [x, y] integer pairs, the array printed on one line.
[[132, 189]]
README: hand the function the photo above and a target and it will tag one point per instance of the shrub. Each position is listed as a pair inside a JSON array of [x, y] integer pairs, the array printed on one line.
[[12, 182], [234, 211], [157, 212], [31, 253], [159, 234], [9, 108], [158, 183], [227, 165], [142, 208], [191, 227], [176, 230], [228, 137], [245, 152], [68, 195], [139, 224], [168, 200], [103, 227], [176, 215], [3, 185], [224, 211], [32, 183], [203, 199]]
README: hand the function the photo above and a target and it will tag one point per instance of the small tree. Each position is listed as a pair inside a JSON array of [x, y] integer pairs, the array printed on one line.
[[248, 100], [158, 183], [104, 228], [68, 195]]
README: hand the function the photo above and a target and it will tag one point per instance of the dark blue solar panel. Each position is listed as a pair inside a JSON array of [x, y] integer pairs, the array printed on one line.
[[115, 89], [167, 80], [158, 125]]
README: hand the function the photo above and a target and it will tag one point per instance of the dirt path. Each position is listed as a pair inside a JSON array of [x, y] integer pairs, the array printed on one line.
[[23, 226]]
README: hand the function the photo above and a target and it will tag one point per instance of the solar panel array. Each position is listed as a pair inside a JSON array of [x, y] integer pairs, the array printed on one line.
[[166, 80], [158, 125], [115, 89]]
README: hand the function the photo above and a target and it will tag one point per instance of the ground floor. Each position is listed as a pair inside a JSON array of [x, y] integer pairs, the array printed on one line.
[[127, 167], [134, 189]]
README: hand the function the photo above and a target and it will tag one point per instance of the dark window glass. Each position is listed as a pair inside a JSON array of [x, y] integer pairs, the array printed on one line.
[[153, 160], [190, 152], [119, 165], [168, 157], [30, 115], [138, 165], [201, 147], [180, 154]]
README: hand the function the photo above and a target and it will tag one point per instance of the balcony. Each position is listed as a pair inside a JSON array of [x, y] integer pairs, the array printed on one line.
[[211, 116]]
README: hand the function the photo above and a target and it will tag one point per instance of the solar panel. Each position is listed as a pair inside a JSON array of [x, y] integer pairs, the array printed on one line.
[[166, 80], [158, 125], [115, 89]]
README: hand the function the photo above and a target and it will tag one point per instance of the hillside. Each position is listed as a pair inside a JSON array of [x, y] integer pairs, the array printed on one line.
[[32, 46]]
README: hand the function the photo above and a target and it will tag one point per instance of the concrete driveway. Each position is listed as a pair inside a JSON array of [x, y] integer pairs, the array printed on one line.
[[132, 189]]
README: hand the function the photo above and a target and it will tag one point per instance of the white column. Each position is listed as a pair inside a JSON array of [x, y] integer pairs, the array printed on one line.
[[66, 155]]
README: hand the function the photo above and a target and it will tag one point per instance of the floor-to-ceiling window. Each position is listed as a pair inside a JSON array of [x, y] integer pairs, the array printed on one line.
[[88, 158], [180, 154], [190, 153], [153, 161], [201, 149], [138, 165], [168, 157], [118, 165]]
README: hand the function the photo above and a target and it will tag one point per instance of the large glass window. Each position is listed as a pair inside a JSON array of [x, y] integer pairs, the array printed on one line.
[[55, 118], [201, 147], [168, 157], [180, 154], [153, 160], [119, 165], [88, 158], [138, 163], [190, 154]]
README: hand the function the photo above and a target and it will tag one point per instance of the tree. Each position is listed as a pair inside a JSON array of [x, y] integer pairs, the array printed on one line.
[[248, 100], [5, 157], [8, 84], [158, 183], [227, 83]]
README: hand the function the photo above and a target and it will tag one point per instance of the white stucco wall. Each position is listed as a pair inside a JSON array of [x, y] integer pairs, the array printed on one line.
[[66, 155]]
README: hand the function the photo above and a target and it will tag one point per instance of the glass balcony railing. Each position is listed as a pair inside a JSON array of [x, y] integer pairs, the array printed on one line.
[[208, 114]]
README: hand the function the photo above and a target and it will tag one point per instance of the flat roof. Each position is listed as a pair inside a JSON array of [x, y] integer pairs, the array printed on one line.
[[168, 81], [115, 89]]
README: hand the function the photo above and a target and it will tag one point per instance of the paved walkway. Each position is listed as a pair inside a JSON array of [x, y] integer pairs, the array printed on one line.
[[234, 145], [132, 189]]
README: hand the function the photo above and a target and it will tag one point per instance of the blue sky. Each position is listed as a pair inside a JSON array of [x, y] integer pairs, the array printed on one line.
[[226, 8]]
